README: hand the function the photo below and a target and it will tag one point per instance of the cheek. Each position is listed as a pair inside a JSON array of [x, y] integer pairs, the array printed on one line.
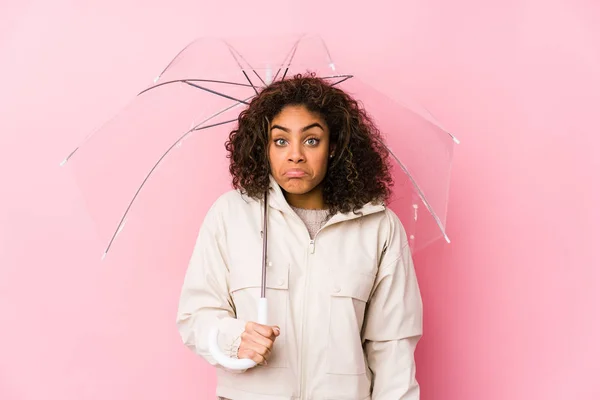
[[274, 158], [320, 163]]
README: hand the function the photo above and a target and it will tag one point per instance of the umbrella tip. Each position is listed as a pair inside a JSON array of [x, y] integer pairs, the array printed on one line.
[[332, 66], [63, 162], [456, 140], [104, 255], [447, 238]]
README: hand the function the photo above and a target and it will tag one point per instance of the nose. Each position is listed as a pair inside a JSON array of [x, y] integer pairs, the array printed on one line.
[[296, 154]]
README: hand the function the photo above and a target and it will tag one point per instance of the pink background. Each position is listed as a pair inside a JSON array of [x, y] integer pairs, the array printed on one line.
[[511, 306]]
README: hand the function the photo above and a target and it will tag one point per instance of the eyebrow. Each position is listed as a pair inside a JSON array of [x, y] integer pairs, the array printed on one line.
[[316, 124]]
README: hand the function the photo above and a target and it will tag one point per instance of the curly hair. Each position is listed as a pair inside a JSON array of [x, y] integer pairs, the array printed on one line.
[[358, 174]]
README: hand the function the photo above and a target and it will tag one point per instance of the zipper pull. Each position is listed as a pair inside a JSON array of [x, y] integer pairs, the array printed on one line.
[[312, 247]]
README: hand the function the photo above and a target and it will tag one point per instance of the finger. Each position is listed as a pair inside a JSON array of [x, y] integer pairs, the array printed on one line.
[[252, 340], [258, 348], [253, 350], [260, 339], [266, 331], [252, 355], [249, 326]]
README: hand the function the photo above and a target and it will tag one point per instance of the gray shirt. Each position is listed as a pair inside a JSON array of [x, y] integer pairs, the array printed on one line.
[[313, 219]]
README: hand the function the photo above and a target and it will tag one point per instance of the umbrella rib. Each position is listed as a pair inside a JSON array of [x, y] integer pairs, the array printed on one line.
[[150, 173], [192, 80], [196, 128], [289, 63], [291, 54], [174, 58], [435, 122], [326, 50], [454, 138], [89, 136], [419, 191], [230, 48], [248, 78], [346, 77], [215, 92], [291, 58]]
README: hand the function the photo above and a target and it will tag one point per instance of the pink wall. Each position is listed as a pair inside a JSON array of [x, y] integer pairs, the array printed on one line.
[[512, 305]]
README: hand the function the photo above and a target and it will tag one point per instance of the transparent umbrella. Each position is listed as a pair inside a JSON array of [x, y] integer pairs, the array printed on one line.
[[197, 100]]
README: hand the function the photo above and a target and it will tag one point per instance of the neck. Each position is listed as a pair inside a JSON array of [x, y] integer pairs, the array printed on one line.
[[312, 200]]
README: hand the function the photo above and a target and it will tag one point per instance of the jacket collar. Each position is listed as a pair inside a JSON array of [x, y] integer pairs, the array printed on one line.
[[277, 201]]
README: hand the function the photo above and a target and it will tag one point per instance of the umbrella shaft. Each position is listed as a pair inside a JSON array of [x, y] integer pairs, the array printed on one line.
[[263, 284]]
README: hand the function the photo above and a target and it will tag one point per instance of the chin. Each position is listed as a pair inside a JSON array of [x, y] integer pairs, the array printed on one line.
[[295, 186], [296, 189]]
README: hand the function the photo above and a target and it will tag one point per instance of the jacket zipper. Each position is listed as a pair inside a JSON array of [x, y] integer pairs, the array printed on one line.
[[311, 251], [305, 319]]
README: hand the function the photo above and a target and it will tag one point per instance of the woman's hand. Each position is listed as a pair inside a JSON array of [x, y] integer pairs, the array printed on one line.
[[257, 342]]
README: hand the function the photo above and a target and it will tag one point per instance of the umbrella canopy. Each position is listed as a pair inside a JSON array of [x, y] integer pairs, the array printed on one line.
[[196, 101]]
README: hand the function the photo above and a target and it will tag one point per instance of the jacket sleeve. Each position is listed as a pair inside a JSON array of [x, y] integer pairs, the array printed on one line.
[[205, 301], [393, 321]]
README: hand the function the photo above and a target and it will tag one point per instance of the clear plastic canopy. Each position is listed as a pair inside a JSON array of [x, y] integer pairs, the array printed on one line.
[[197, 100]]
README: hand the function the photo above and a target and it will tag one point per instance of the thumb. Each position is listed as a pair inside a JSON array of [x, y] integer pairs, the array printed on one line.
[[276, 330]]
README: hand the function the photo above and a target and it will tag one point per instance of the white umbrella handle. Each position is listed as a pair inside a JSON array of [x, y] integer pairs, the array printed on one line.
[[230, 362]]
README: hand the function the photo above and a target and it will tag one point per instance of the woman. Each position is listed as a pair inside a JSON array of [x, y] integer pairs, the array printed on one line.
[[345, 311]]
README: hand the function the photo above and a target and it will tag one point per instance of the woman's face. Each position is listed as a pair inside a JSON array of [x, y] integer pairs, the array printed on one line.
[[298, 149]]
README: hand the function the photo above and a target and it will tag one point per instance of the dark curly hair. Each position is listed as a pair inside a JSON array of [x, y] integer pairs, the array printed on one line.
[[358, 174]]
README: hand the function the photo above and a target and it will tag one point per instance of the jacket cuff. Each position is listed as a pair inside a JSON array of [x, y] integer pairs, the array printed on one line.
[[234, 347], [230, 335]]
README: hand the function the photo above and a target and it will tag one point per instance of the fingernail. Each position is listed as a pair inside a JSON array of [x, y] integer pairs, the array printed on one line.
[[277, 331]]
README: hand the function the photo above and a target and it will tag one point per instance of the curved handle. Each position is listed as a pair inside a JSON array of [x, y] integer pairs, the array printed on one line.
[[235, 363]]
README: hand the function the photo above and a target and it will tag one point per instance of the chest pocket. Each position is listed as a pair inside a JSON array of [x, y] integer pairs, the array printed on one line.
[[244, 288], [349, 294]]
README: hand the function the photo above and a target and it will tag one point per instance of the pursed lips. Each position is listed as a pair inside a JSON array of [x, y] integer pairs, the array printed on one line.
[[295, 173]]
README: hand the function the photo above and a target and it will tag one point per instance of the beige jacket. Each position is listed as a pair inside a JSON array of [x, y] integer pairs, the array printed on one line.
[[347, 302]]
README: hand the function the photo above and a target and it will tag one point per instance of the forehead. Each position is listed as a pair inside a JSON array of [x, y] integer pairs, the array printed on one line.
[[297, 113]]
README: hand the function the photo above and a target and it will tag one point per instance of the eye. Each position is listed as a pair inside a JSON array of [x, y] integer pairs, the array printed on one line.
[[279, 142], [312, 141]]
